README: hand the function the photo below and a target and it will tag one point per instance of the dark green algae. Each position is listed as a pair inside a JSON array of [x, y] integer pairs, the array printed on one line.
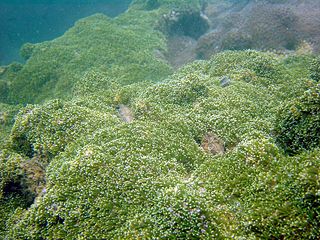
[[150, 178]]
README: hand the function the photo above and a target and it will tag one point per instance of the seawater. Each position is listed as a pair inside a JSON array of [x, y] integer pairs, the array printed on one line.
[[35, 21]]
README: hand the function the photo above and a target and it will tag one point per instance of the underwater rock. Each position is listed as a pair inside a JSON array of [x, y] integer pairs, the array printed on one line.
[[155, 178], [27, 178], [225, 81], [27, 50], [271, 25], [208, 44], [212, 144], [182, 29], [181, 50], [34, 174], [185, 23], [125, 113], [2, 70]]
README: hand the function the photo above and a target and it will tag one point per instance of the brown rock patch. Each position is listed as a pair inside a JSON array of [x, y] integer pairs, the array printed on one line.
[[212, 144]]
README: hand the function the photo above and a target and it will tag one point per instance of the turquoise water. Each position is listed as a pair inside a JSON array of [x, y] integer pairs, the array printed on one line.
[[37, 21]]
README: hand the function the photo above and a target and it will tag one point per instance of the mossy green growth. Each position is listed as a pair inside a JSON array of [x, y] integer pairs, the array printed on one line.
[[258, 193], [8, 72], [182, 5], [315, 69], [108, 190], [195, 98], [125, 50], [27, 50], [151, 178], [47, 129], [4, 90], [8, 206], [10, 170], [298, 122], [7, 114]]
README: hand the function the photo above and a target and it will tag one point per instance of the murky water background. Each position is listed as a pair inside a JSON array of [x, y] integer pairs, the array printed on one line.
[[36, 21]]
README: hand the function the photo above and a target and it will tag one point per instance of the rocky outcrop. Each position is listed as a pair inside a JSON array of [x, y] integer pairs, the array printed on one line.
[[212, 144], [125, 113], [261, 25], [239, 25]]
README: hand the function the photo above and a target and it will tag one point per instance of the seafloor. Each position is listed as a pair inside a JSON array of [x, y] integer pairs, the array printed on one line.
[[174, 120]]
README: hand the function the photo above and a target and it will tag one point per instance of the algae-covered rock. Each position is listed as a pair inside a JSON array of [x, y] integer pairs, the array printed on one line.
[[4, 90], [167, 4], [255, 186], [7, 114], [150, 177], [8, 206], [123, 154], [195, 98], [47, 129], [315, 69], [20, 176], [107, 44], [298, 122], [120, 182], [26, 50]]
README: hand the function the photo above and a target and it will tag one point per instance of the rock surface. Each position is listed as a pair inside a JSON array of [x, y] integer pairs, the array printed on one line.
[[212, 144]]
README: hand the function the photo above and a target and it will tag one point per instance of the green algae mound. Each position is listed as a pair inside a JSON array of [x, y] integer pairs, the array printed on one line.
[[72, 168], [299, 122], [123, 50]]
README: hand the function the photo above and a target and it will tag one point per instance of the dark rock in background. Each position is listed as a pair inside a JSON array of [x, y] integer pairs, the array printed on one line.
[[239, 25], [262, 25]]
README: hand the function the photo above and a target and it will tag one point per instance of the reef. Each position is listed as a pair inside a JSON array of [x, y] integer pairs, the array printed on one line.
[[102, 139]]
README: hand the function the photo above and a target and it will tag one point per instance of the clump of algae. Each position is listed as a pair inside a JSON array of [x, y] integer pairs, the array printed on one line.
[[149, 178]]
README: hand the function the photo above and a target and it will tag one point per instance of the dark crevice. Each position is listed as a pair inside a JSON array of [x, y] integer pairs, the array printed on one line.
[[190, 23], [183, 29], [19, 188]]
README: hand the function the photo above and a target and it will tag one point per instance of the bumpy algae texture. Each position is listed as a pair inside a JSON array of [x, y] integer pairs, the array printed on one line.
[[124, 50], [71, 168]]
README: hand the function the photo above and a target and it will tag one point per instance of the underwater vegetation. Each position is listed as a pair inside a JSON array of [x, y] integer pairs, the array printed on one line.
[[102, 139]]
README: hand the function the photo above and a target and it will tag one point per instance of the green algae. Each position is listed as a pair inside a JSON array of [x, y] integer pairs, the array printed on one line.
[[127, 52], [297, 125], [7, 115], [151, 178], [315, 69], [167, 4]]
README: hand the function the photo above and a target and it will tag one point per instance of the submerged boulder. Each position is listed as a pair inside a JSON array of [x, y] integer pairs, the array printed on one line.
[[125, 113], [212, 144]]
